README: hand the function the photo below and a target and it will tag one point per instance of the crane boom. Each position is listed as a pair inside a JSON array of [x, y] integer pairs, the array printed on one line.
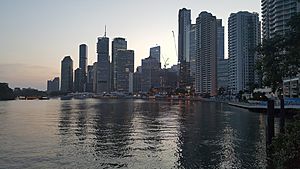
[[175, 43], [165, 61]]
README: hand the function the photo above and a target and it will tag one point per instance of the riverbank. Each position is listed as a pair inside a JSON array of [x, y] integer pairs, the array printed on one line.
[[263, 107]]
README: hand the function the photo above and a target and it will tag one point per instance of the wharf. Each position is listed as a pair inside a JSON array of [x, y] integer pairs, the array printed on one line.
[[258, 107]]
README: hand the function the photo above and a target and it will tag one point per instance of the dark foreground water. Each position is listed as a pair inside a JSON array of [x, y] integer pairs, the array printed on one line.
[[129, 134]]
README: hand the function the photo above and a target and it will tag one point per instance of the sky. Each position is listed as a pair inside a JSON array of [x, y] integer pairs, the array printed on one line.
[[35, 35]]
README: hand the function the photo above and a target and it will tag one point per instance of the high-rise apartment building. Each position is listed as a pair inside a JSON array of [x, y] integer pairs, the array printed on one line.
[[83, 56], [124, 66], [78, 87], [193, 54], [95, 73], [184, 27], [89, 81], [67, 74], [222, 74], [103, 67], [137, 78], [150, 74], [222, 63], [155, 53], [206, 48], [53, 85], [117, 44], [243, 38], [220, 40], [276, 14]]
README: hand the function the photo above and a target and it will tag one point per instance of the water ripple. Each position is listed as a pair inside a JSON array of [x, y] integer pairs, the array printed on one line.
[[129, 134]]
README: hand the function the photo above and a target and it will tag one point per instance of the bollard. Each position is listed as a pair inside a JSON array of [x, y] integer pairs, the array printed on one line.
[[282, 116], [270, 122], [269, 130]]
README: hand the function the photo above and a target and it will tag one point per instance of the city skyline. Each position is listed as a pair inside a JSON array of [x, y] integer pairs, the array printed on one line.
[[37, 35]]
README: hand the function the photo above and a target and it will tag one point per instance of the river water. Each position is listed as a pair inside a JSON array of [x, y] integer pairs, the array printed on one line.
[[96, 133]]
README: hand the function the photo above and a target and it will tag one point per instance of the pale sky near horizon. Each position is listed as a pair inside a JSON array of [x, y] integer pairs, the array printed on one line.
[[36, 34]]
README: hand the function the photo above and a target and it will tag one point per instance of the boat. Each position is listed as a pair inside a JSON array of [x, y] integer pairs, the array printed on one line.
[[66, 97], [80, 96], [151, 97], [22, 98], [31, 98], [44, 98]]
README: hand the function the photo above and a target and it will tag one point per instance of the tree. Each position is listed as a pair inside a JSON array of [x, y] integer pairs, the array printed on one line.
[[271, 63], [281, 58], [292, 58], [6, 93], [284, 150], [280, 55], [221, 91]]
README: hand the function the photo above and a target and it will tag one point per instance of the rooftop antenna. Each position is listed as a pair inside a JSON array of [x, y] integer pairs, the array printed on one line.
[[105, 31]]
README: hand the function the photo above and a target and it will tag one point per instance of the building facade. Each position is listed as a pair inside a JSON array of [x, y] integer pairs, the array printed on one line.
[[155, 53], [124, 66], [222, 74], [291, 87], [193, 54], [150, 74], [67, 74], [78, 87], [243, 38], [90, 77], [222, 63], [206, 60], [53, 85], [137, 76], [103, 67], [220, 40], [275, 16], [95, 76], [184, 27], [117, 44], [83, 60]]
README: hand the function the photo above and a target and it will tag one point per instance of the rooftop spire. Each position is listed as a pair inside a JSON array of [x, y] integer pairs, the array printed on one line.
[[105, 32]]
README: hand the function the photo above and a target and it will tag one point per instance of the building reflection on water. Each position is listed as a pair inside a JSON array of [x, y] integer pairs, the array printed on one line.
[[212, 135], [161, 134]]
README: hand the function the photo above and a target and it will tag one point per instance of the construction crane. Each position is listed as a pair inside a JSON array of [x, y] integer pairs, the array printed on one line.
[[165, 61], [175, 43], [176, 52], [163, 79]]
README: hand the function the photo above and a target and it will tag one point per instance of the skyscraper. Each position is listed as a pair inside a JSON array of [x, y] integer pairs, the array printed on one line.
[[193, 54], [103, 67], [137, 77], [184, 26], [150, 74], [78, 85], [243, 38], [94, 76], [276, 14], [67, 74], [206, 48], [117, 44], [124, 66], [220, 40], [90, 78], [222, 63], [83, 55], [155, 53], [222, 74], [53, 85]]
